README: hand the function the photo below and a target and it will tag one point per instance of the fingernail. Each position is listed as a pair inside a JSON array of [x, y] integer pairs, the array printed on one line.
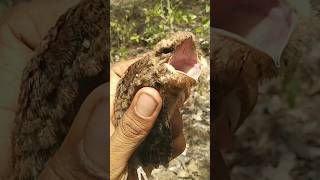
[[145, 105]]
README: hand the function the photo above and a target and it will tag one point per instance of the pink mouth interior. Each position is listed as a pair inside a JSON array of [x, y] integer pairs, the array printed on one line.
[[185, 59], [264, 24]]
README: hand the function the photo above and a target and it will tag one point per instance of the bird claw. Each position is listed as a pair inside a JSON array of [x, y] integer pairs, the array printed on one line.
[[141, 173]]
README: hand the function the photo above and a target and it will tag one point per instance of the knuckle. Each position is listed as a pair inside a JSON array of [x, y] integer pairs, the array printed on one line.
[[132, 128]]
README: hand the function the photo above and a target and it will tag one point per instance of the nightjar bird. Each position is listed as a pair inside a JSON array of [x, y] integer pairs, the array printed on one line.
[[172, 68]]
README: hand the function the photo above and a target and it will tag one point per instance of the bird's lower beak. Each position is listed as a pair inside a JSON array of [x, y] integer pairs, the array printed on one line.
[[185, 59]]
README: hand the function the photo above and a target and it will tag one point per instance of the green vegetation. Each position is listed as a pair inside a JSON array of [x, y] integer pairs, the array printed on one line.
[[138, 25]]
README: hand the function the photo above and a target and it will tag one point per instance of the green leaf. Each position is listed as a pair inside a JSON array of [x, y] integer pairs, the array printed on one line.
[[199, 30], [192, 16], [135, 38], [207, 10], [185, 18]]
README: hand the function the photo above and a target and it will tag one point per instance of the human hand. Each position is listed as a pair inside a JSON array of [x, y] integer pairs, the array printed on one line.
[[21, 32], [136, 124]]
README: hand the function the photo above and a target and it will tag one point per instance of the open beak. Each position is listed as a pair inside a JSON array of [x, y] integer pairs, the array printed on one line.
[[265, 25], [185, 59]]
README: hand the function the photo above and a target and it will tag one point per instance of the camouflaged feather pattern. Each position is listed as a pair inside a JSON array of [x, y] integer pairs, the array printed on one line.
[[71, 62], [146, 72]]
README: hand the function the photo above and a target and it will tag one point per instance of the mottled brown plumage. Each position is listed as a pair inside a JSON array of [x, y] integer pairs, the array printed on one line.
[[70, 63], [240, 68], [153, 70]]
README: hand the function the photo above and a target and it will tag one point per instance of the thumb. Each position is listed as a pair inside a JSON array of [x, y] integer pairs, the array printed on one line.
[[134, 127]]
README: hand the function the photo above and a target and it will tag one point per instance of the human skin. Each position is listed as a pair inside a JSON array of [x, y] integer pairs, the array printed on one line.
[[21, 31], [178, 144]]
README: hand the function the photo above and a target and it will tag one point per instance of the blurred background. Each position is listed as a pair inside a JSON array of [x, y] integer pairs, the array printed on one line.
[[136, 26], [280, 139]]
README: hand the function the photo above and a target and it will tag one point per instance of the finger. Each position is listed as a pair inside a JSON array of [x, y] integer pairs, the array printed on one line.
[[134, 127], [177, 124], [178, 145], [119, 68], [117, 72], [95, 139], [85, 146], [29, 22], [223, 135], [219, 168], [228, 121], [179, 142]]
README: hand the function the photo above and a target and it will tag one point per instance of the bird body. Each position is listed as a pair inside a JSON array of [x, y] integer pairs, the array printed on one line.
[[71, 62], [172, 69]]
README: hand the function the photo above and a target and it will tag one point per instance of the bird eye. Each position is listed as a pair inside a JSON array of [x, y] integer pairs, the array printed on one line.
[[167, 50]]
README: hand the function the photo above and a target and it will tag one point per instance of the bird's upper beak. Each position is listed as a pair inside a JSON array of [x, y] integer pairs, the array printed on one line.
[[185, 59], [265, 25]]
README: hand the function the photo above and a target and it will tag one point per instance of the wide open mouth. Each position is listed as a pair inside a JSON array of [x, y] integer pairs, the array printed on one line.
[[265, 25], [185, 59]]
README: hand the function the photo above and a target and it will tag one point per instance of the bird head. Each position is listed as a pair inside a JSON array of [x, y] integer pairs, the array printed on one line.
[[178, 54]]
